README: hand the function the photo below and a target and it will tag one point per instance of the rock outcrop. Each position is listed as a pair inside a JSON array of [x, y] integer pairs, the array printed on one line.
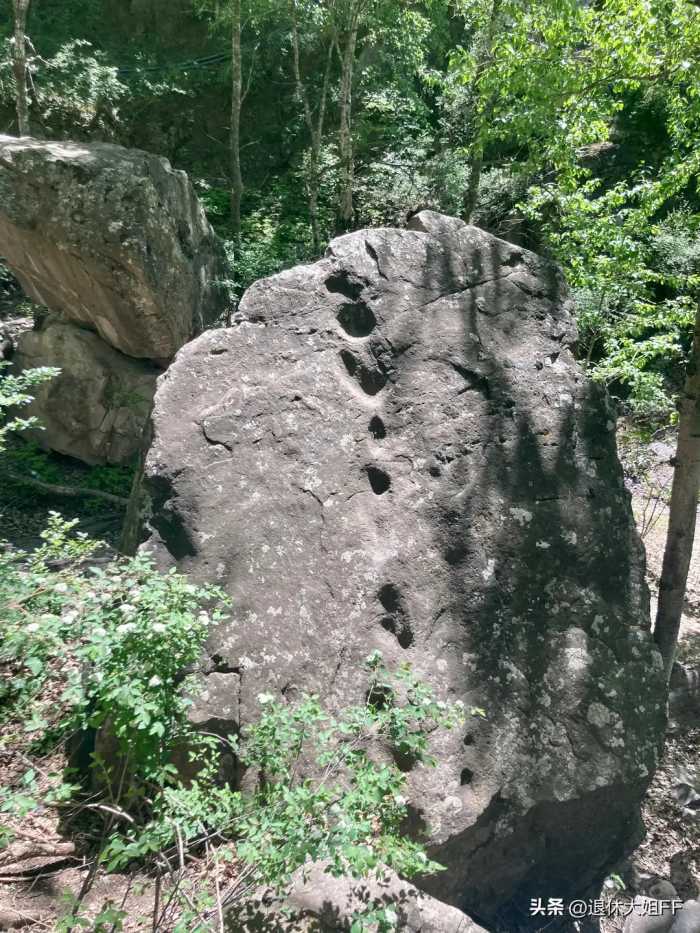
[[317, 899], [96, 408], [115, 243], [111, 238], [396, 450]]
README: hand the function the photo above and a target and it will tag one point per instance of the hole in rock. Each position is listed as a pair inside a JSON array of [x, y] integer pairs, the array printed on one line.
[[469, 739], [343, 283], [380, 696], [378, 480], [404, 761], [402, 633], [350, 362], [389, 597], [414, 824], [466, 776], [455, 554], [221, 666], [474, 380], [357, 320], [377, 428], [370, 381], [340, 283]]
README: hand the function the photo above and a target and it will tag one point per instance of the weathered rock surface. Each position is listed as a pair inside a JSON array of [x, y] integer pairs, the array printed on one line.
[[111, 238], [97, 407], [396, 450], [319, 901]]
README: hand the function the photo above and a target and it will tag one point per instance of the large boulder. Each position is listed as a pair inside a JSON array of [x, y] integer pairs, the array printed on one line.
[[396, 450], [113, 239], [316, 901], [97, 407]]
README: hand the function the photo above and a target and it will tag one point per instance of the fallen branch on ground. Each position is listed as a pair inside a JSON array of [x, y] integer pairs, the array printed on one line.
[[73, 492], [20, 852]]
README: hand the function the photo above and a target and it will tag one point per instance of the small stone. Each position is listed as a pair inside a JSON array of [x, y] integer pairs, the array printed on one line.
[[641, 920], [663, 890]]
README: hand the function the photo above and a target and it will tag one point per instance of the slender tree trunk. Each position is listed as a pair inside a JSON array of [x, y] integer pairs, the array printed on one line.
[[481, 112], [19, 66], [315, 128], [347, 162], [683, 511], [236, 103], [476, 163], [314, 162]]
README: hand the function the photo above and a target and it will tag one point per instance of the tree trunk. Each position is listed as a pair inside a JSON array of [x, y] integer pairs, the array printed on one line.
[[315, 128], [347, 164], [236, 103], [683, 511], [481, 112], [476, 163], [19, 66]]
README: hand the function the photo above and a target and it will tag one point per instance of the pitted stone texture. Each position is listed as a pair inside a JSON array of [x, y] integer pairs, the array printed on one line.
[[96, 409], [397, 451], [111, 238]]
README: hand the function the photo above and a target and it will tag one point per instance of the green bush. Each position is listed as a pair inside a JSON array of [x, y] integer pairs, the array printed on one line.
[[14, 394], [104, 650]]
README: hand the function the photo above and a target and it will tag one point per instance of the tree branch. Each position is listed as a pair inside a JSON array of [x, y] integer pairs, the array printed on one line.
[[73, 492]]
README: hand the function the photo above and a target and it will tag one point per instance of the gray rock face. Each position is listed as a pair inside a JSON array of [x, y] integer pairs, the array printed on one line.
[[396, 450], [688, 918], [97, 407], [111, 238], [332, 902]]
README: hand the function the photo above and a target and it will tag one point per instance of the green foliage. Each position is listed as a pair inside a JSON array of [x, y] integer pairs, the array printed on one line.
[[14, 394], [77, 89], [319, 794], [22, 458], [275, 233], [545, 81], [8, 282], [636, 282], [108, 919], [131, 632]]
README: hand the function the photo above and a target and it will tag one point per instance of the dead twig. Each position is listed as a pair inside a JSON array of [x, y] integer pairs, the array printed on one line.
[[72, 492]]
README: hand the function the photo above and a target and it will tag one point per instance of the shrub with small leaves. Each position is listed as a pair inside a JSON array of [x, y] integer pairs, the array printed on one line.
[[103, 646], [14, 394]]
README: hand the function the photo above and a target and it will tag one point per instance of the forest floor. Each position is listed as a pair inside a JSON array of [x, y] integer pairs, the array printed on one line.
[[46, 867]]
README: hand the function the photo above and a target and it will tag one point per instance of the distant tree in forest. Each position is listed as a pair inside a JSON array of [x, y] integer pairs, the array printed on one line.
[[235, 16], [19, 64]]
